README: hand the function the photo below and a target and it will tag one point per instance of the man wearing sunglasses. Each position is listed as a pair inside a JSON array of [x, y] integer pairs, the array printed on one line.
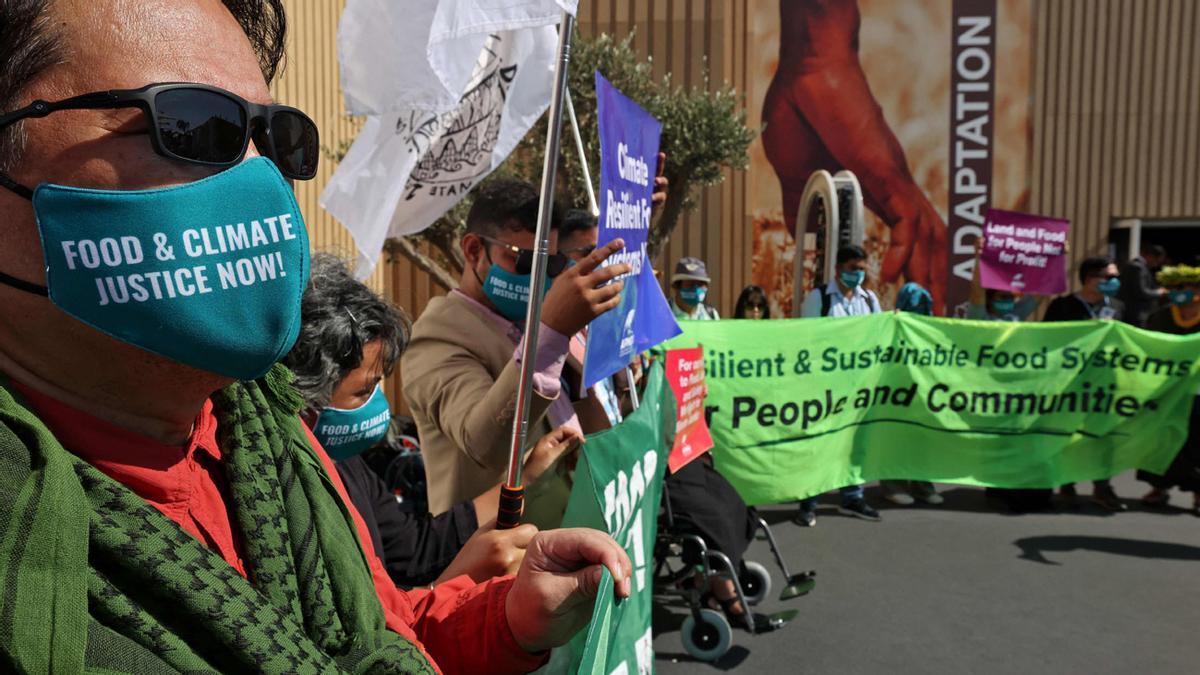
[[162, 508], [461, 370]]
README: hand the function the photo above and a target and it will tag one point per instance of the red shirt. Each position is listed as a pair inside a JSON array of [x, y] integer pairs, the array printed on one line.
[[460, 625]]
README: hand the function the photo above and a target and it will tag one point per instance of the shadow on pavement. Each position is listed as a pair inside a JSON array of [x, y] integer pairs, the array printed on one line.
[[1035, 548], [962, 499], [732, 659]]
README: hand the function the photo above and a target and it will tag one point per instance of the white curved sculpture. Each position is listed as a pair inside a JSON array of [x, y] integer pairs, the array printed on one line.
[[837, 202]]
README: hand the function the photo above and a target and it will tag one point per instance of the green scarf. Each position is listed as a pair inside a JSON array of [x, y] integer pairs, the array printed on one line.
[[95, 578]]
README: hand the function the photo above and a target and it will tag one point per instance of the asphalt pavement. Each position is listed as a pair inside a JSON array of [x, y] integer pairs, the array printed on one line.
[[962, 588]]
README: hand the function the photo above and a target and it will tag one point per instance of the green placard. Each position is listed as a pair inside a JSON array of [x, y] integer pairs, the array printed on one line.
[[618, 488]]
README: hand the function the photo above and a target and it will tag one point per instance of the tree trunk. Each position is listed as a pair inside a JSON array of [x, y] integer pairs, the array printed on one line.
[[440, 274], [660, 232]]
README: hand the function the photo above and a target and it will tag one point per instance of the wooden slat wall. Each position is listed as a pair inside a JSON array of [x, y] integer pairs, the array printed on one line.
[[309, 81], [1116, 114]]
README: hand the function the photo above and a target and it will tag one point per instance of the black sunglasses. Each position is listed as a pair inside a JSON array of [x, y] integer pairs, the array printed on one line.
[[206, 125], [555, 262]]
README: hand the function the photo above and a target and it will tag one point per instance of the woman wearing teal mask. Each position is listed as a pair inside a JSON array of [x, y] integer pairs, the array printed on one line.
[[993, 304], [350, 340], [1181, 317]]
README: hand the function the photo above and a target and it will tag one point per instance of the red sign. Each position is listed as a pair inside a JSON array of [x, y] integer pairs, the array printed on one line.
[[685, 374]]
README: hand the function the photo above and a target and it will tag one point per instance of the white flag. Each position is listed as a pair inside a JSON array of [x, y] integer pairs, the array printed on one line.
[[449, 88]]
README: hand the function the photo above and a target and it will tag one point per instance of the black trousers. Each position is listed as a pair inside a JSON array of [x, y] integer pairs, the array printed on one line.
[[705, 504]]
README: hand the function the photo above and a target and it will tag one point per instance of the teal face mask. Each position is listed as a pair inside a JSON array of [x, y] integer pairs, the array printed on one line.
[[208, 274], [1182, 296], [852, 279], [693, 296], [1004, 307], [1109, 287], [346, 433], [508, 292]]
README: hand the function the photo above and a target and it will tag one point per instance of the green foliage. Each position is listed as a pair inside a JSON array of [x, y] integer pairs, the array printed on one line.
[[704, 134], [1179, 275]]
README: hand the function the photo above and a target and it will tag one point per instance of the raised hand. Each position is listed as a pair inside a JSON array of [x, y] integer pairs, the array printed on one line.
[[579, 294]]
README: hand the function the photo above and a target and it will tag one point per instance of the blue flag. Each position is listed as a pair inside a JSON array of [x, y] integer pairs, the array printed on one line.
[[628, 157]]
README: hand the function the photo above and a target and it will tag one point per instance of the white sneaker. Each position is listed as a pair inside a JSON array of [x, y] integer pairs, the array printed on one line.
[[899, 498], [926, 493], [933, 499], [896, 492]]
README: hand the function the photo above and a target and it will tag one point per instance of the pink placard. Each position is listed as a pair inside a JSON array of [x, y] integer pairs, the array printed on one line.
[[1024, 253]]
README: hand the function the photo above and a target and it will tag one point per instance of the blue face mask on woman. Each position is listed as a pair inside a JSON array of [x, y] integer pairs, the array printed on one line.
[[1182, 296], [208, 274], [345, 433]]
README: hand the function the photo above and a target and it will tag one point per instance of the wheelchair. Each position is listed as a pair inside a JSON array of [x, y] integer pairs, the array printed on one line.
[[680, 557]]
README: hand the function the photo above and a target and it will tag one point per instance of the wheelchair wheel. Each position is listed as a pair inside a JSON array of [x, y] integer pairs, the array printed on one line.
[[709, 638], [756, 582]]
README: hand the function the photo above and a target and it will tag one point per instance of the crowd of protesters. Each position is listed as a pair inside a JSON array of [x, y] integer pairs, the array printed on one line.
[[190, 495]]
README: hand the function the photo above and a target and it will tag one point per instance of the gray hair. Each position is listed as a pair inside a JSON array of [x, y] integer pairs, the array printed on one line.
[[339, 316]]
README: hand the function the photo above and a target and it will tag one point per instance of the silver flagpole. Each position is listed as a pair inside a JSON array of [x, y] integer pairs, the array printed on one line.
[[512, 493], [587, 174], [634, 399]]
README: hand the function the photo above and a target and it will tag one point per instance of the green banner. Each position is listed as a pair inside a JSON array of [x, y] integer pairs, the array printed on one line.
[[618, 487], [802, 406]]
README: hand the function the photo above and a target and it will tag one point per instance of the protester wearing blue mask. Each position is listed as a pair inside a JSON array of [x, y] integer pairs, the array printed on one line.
[[1099, 281], [689, 285], [1180, 317], [460, 372], [912, 297], [992, 304], [174, 512], [350, 341], [844, 295]]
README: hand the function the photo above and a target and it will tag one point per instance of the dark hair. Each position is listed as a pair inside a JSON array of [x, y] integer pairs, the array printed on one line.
[[576, 220], [1155, 250], [847, 253], [339, 315], [507, 204], [31, 42], [752, 295], [1093, 266]]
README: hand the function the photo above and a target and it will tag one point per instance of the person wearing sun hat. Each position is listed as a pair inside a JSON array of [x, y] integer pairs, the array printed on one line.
[[689, 288], [1181, 317]]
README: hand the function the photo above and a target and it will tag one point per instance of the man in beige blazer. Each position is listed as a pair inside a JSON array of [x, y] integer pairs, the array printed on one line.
[[461, 369]]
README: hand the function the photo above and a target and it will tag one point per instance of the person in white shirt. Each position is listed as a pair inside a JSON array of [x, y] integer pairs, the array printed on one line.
[[844, 295]]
